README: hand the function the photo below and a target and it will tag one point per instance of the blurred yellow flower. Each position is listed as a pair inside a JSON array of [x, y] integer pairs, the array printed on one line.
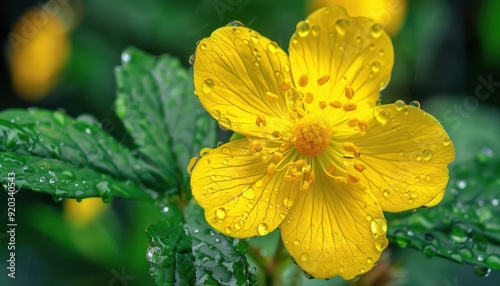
[[39, 49], [390, 14], [84, 212], [319, 159]]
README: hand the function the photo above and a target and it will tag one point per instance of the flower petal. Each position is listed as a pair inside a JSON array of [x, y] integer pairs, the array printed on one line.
[[241, 78], [334, 229], [239, 197], [339, 58], [406, 152]]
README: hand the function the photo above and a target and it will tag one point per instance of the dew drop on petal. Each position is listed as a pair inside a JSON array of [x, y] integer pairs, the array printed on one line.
[[426, 155], [383, 116], [263, 229], [303, 28], [376, 66], [378, 227], [315, 30], [376, 31], [415, 104], [249, 194], [399, 104], [208, 85], [341, 26], [296, 242], [304, 256], [272, 47], [235, 23], [220, 213]]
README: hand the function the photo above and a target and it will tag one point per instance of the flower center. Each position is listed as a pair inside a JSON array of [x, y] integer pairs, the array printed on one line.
[[312, 135]]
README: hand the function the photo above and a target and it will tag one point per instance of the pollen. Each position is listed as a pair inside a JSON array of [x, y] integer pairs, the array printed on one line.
[[335, 104], [312, 135], [359, 166], [322, 104], [278, 156], [350, 106], [272, 97], [309, 97], [255, 146], [341, 180], [363, 125], [324, 79], [270, 169], [260, 121], [303, 80], [353, 122], [305, 186], [285, 86], [349, 92]]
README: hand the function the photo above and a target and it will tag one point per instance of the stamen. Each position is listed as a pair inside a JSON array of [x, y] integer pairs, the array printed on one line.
[[335, 104], [311, 177], [300, 163], [353, 122], [285, 86], [284, 147], [303, 80], [340, 180], [270, 169], [261, 120], [300, 112], [322, 80], [363, 125], [255, 146], [350, 147], [349, 92], [359, 166], [322, 104], [278, 156], [331, 170], [353, 177], [309, 97], [290, 179], [305, 186], [272, 97], [350, 106]]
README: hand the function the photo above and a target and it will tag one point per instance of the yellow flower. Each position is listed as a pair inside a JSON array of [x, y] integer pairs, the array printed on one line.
[[84, 212], [319, 159]]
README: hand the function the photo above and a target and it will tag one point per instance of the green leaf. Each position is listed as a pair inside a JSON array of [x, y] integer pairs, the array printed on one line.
[[157, 106], [194, 254], [53, 153], [465, 226]]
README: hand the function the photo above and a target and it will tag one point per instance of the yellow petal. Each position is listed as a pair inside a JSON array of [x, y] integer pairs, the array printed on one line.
[[406, 152], [241, 79], [338, 53], [240, 198], [84, 212], [335, 229]]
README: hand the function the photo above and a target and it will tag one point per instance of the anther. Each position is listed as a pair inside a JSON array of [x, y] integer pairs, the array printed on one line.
[[350, 106], [331, 170], [359, 166], [278, 156], [363, 125], [350, 147], [272, 97], [285, 86], [353, 177], [322, 104], [311, 177], [261, 120], [303, 80], [305, 186], [309, 97], [353, 122], [255, 146], [300, 163], [290, 179], [349, 92], [340, 180], [283, 147], [335, 104], [322, 80], [270, 169]]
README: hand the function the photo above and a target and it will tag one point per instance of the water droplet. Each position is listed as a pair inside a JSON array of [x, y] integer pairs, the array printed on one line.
[[208, 85], [52, 180], [287, 202], [399, 104], [237, 226], [203, 46], [235, 23], [493, 261], [152, 253], [226, 150], [381, 243], [272, 47], [376, 30], [104, 191], [341, 268], [304, 256], [465, 253], [459, 232], [224, 123], [386, 192], [303, 28], [482, 271], [296, 242], [42, 180], [259, 183], [249, 194], [383, 116], [341, 26], [263, 229], [225, 162], [378, 226], [415, 104], [315, 30], [191, 59], [376, 66], [254, 37], [426, 155], [220, 213], [429, 250]]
